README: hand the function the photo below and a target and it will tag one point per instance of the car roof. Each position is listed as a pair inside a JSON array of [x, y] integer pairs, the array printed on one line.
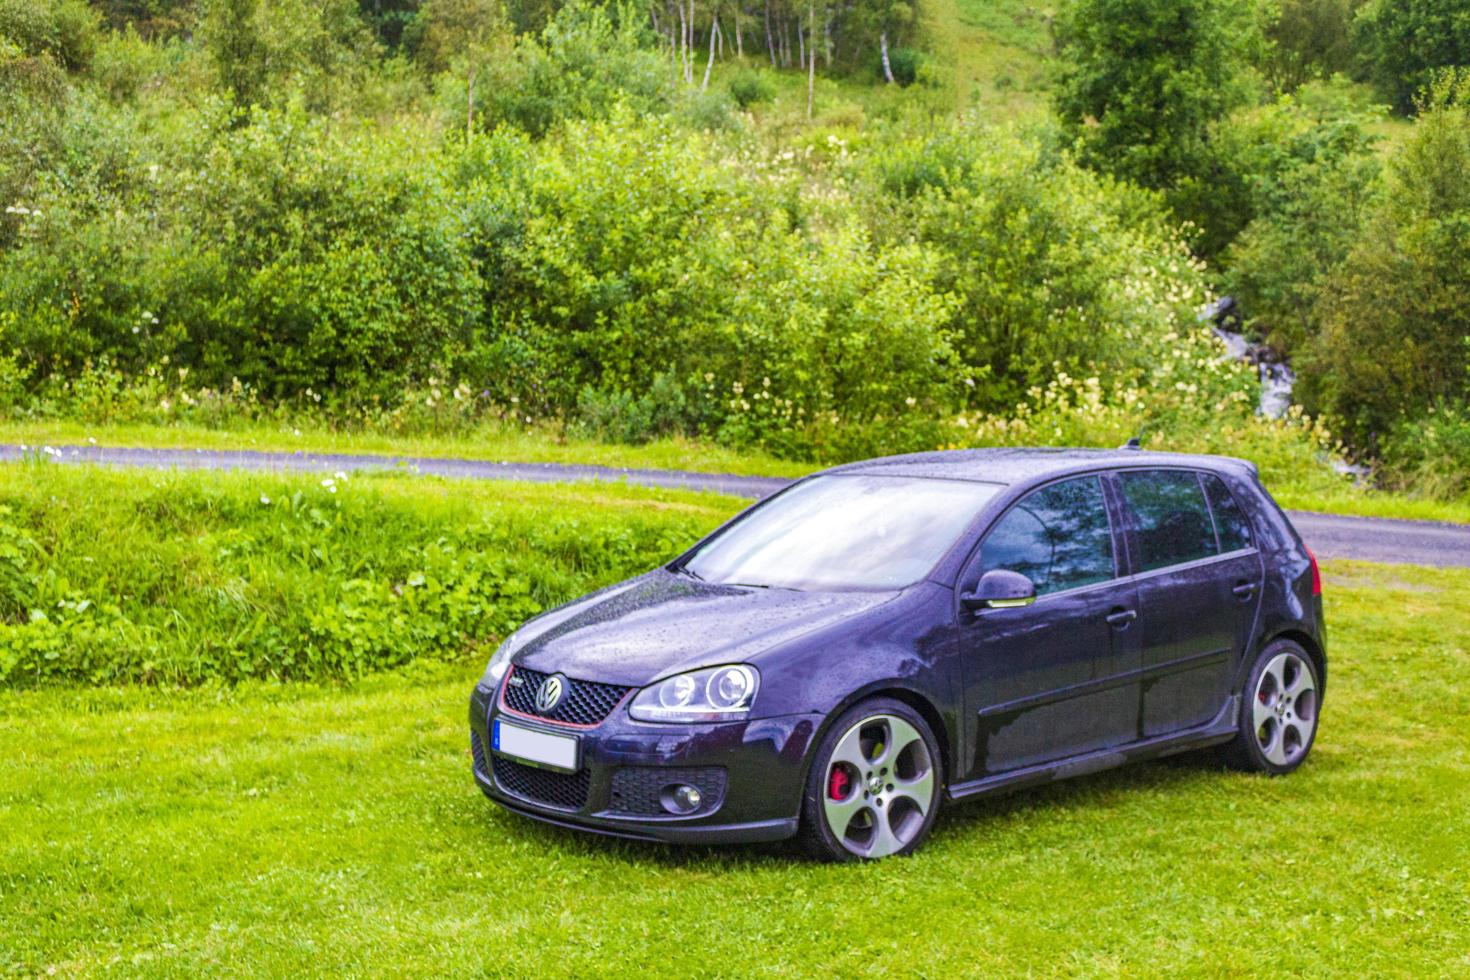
[[1014, 465]]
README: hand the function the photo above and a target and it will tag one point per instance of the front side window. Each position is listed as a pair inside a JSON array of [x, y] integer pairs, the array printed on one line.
[[1170, 516], [839, 532], [1059, 537]]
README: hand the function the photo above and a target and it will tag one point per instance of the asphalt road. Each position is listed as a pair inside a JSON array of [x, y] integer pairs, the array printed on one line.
[[1329, 535]]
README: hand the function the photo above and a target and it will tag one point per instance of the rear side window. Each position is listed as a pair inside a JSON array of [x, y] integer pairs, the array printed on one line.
[[1231, 523], [1171, 517], [1058, 537]]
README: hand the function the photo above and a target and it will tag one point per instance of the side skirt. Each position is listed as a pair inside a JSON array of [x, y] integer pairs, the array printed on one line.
[[1221, 728]]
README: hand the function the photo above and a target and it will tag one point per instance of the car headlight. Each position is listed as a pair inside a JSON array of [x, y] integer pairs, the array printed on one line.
[[500, 661], [712, 694]]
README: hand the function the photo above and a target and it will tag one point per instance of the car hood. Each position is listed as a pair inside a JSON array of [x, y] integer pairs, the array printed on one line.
[[665, 623]]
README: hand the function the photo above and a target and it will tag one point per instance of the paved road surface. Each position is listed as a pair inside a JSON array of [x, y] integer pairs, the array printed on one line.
[[1329, 535]]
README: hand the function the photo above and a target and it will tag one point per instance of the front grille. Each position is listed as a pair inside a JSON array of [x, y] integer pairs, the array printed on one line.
[[637, 789], [561, 790], [477, 751], [585, 703]]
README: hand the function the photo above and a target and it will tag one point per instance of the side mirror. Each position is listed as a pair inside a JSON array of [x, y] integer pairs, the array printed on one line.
[[1000, 589]]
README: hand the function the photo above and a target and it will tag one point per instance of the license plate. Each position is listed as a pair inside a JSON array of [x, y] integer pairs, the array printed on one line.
[[534, 746]]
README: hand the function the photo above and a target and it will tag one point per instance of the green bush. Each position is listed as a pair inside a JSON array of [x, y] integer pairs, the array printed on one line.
[[906, 64], [1313, 177], [1405, 43], [186, 578], [622, 250], [749, 87], [288, 254], [1393, 317], [1306, 39], [1430, 455], [620, 416], [1142, 81], [63, 30], [581, 66], [1053, 267]]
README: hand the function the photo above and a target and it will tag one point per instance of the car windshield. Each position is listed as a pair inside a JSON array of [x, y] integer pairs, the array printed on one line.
[[844, 532]]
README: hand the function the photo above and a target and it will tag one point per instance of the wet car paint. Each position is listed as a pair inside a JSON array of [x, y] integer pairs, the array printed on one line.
[[1007, 704]]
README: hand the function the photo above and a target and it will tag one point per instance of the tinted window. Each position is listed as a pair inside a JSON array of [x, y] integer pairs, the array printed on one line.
[[1171, 517], [838, 532], [1230, 521], [1058, 537]]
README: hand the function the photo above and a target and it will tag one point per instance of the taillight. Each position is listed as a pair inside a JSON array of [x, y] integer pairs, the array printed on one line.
[[1316, 574]]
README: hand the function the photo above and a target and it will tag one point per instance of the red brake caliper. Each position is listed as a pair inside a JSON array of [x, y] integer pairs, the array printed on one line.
[[837, 783]]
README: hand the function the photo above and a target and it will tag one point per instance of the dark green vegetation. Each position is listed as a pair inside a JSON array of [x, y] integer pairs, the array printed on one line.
[[725, 222], [186, 578], [292, 829]]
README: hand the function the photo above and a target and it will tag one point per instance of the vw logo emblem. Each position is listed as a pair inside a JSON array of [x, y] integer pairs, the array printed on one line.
[[551, 693]]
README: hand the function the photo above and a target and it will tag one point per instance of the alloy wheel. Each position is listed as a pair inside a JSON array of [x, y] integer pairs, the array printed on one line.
[[1285, 709], [879, 786]]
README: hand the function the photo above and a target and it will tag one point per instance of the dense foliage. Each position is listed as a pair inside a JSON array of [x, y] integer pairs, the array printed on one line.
[[405, 213], [1404, 43], [1141, 82], [1395, 328]]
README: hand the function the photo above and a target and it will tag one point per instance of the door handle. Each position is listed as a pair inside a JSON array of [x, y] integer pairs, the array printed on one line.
[[1120, 618], [1245, 590]]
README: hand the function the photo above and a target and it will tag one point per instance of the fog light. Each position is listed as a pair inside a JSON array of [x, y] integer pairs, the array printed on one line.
[[681, 798]]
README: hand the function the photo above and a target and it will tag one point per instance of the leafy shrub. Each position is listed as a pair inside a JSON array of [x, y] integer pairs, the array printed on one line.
[[1053, 267], [1195, 400], [710, 111], [749, 87], [582, 66], [1142, 81], [1393, 316], [906, 64], [188, 578], [446, 29], [623, 251], [1430, 455], [620, 416], [1405, 43], [266, 53], [64, 30], [288, 255], [1306, 39], [125, 65], [1313, 179]]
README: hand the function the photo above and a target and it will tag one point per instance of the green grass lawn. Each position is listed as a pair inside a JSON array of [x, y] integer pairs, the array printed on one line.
[[294, 829]]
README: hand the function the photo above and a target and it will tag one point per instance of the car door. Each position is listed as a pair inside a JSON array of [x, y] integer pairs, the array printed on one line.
[[1198, 576], [1034, 676]]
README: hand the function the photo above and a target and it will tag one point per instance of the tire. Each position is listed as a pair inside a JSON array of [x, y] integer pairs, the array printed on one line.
[[1279, 711], [887, 795]]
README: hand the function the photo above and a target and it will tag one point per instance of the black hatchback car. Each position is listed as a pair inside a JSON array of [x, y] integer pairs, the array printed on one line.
[[881, 637]]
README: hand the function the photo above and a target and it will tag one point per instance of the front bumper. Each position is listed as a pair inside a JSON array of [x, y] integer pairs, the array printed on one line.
[[752, 772]]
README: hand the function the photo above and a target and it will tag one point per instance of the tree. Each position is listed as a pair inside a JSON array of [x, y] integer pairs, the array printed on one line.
[[1306, 39], [1404, 42], [1142, 82], [234, 39], [1393, 316], [446, 29], [262, 51]]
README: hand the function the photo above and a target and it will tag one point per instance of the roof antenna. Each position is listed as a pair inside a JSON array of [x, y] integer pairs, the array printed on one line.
[[1132, 443]]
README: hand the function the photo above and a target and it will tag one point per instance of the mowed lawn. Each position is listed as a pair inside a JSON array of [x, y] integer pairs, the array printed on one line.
[[290, 829]]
